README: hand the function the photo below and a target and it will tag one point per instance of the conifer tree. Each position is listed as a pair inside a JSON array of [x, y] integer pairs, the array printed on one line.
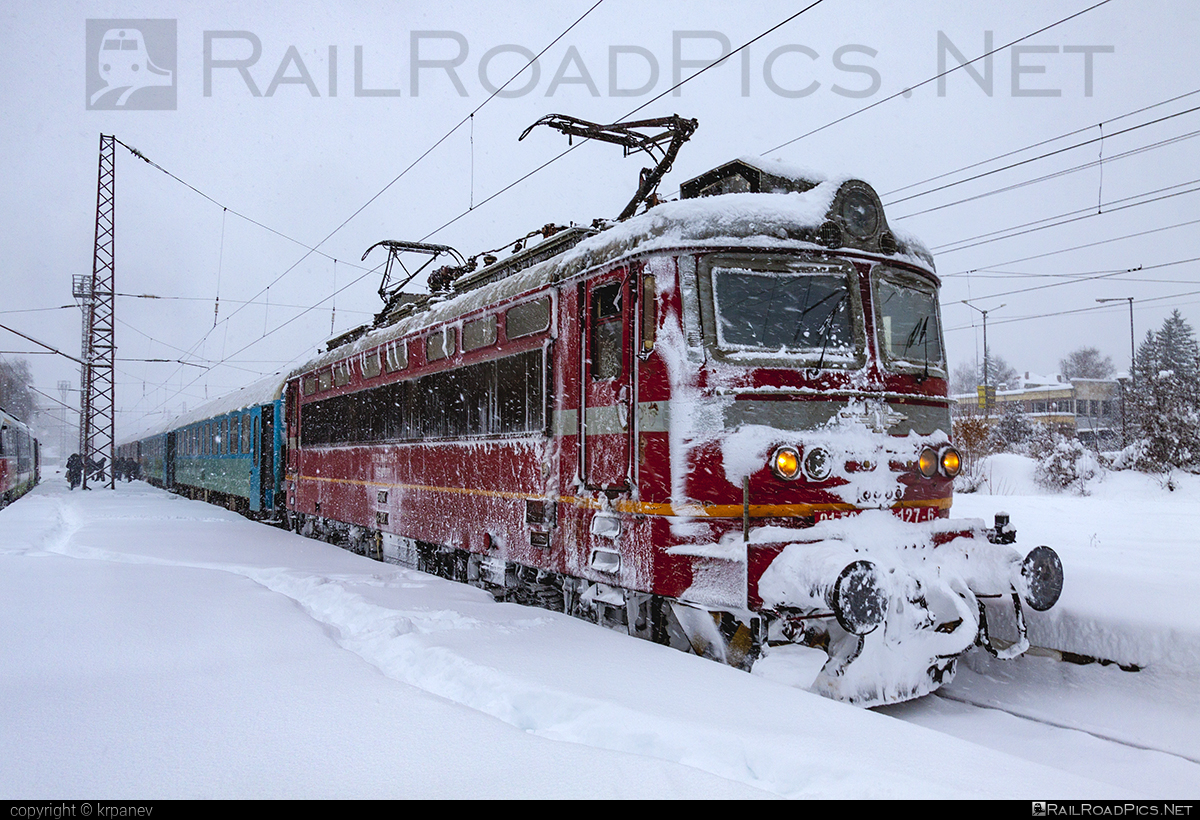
[[1165, 404]]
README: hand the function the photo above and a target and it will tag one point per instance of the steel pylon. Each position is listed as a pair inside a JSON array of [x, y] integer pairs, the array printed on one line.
[[97, 433]]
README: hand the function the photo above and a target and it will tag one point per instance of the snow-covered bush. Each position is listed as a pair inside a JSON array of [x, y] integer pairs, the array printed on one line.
[[1012, 431], [1066, 464], [971, 437], [1129, 457]]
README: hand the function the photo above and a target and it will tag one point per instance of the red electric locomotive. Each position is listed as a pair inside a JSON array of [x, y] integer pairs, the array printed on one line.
[[721, 425]]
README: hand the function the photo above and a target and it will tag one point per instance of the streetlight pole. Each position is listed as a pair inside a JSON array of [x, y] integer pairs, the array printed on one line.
[[986, 403]]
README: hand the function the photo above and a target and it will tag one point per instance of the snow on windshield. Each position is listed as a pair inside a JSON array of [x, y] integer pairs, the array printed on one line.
[[782, 311]]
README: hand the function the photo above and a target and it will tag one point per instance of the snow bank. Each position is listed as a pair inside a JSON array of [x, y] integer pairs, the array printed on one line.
[[1131, 560]]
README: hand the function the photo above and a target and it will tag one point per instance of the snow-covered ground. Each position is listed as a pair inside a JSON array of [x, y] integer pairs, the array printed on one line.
[[159, 647]]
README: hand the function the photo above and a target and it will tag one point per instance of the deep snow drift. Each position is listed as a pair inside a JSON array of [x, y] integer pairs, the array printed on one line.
[[158, 647]]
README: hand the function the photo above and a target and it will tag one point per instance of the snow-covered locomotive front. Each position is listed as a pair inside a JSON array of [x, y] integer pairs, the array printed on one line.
[[817, 392]]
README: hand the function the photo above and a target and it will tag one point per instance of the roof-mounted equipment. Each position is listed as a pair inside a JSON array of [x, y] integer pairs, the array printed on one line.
[[675, 132]]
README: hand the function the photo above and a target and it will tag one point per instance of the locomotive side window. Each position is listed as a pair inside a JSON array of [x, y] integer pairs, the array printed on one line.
[[371, 365], [606, 332], [527, 318], [439, 345], [503, 396], [907, 322], [479, 333], [397, 356]]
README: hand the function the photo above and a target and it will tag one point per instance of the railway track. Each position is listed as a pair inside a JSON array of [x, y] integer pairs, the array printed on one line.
[[1137, 730]]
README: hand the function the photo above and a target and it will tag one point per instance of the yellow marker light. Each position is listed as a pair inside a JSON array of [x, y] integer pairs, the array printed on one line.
[[786, 463], [951, 462], [927, 462]]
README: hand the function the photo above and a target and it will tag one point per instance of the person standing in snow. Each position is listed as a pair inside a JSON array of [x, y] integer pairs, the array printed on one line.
[[74, 470]]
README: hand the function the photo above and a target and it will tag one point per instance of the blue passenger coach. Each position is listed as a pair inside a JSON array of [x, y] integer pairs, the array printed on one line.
[[226, 451]]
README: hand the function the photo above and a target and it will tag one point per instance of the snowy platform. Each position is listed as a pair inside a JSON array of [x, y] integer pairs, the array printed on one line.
[[159, 647]]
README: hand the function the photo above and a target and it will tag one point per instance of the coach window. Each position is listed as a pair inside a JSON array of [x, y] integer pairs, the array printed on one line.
[[606, 332], [246, 433], [325, 379]]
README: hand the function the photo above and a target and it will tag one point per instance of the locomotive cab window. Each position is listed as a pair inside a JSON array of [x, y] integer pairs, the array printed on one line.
[[907, 322], [772, 307], [606, 352]]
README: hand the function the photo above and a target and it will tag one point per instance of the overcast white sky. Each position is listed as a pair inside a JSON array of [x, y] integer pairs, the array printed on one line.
[[301, 159]]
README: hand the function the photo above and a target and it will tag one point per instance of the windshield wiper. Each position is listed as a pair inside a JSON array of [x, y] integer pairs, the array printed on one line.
[[827, 326], [839, 295], [918, 334]]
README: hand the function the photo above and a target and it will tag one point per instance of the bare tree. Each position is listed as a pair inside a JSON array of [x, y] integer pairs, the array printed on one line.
[[15, 395], [966, 377], [1086, 363]]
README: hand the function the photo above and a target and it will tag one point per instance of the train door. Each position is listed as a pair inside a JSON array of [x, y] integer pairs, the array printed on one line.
[[169, 466], [265, 448], [291, 463], [606, 422]]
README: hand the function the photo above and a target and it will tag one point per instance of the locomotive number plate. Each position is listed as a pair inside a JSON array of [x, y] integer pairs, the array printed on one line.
[[915, 515]]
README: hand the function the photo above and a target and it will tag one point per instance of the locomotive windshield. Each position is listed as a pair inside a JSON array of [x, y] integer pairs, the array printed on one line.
[[799, 310], [907, 321]]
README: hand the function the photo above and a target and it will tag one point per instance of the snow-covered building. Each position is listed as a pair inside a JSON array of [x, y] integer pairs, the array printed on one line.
[[1089, 409]]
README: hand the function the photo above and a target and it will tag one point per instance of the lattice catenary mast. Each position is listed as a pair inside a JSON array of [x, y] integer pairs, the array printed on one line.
[[97, 434]]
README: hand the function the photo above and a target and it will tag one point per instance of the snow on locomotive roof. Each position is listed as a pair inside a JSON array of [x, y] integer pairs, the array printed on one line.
[[264, 391], [7, 419], [784, 221]]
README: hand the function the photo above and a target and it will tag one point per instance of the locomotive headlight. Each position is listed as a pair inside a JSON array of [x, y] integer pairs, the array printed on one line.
[[859, 213], [785, 463], [818, 464], [927, 462], [951, 462]]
